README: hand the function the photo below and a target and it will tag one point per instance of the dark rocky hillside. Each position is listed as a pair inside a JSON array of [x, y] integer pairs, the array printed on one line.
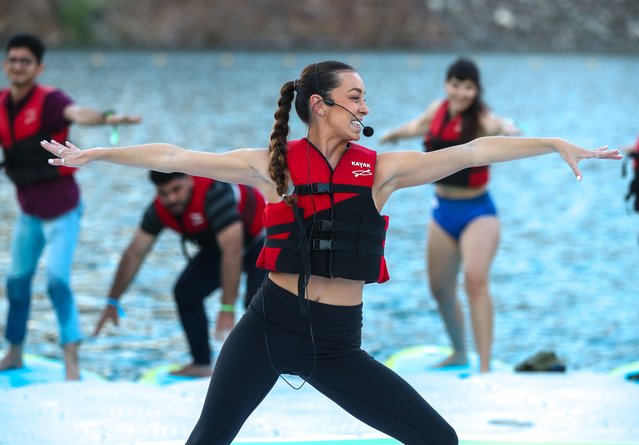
[[497, 25]]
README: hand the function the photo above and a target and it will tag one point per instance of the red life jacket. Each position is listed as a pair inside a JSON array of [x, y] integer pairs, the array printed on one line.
[[25, 160], [250, 204], [445, 132], [193, 224], [334, 230]]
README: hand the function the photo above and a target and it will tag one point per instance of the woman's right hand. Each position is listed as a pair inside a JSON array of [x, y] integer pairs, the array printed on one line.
[[68, 155]]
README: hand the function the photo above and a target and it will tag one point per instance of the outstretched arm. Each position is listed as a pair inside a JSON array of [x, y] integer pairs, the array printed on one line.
[[494, 125], [88, 116], [397, 170], [244, 166], [416, 127]]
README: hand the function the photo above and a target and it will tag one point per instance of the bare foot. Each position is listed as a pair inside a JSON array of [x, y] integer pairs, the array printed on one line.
[[71, 361], [455, 359], [13, 358], [194, 370]]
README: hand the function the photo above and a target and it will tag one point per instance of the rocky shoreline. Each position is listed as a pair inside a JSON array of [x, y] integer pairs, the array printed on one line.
[[432, 25]]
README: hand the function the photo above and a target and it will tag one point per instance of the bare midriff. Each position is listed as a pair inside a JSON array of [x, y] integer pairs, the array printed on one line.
[[335, 291]]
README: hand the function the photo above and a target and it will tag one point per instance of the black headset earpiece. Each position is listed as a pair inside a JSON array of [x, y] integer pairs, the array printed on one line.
[[330, 102]]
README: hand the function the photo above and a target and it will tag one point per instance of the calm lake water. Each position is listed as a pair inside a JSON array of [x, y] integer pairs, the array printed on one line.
[[565, 277]]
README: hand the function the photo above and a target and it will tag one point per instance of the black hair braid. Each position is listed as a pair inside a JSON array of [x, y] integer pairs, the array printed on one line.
[[278, 166]]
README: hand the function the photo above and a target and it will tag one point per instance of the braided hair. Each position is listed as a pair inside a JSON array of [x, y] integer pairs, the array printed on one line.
[[317, 78]]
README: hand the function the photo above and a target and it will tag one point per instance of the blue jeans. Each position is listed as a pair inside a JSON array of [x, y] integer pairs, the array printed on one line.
[[30, 236]]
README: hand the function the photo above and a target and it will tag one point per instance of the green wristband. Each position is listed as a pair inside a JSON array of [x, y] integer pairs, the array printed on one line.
[[107, 113], [227, 308]]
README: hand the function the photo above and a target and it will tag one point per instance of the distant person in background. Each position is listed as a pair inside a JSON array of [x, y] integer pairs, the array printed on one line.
[[633, 187], [225, 221], [324, 241], [464, 229], [49, 196]]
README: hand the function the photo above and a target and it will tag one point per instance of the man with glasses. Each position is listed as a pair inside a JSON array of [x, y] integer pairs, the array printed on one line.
[[48, 196]]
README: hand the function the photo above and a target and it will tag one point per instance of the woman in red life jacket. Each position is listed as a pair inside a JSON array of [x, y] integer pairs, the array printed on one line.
[[323, 222], [464, 229]]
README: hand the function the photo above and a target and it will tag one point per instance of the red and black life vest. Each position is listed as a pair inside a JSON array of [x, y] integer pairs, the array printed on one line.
[[194, 225], [446, 132], [251, 205], [25, 160], [334, 230]]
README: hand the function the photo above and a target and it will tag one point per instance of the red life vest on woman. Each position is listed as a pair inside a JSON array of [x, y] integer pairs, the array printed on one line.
[[446, 132], [26, 160], [334, 230]]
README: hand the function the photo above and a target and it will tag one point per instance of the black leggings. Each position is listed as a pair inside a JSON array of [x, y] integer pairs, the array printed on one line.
[[341, 370], [198, 280]]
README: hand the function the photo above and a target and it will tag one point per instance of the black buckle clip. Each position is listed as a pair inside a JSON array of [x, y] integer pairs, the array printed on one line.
[[324, 225], [322, 244], [321, 187]]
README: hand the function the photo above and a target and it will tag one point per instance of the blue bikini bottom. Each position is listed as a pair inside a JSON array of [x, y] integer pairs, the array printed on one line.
[[453, 215]]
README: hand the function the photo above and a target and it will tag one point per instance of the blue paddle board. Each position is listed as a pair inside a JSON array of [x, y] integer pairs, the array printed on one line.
[[38, 369], [629, 371], [423, 358]]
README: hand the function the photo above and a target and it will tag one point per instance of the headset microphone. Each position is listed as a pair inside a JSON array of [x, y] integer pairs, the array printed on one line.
[[366, 130]]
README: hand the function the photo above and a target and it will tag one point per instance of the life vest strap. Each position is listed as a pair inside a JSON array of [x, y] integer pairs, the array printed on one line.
[[305, 253], [324, 244], [278, 229], [345, 246], [324, 225], [327, 187]]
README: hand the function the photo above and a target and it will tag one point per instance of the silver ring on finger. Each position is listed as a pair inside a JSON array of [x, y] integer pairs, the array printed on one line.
[[60, 150], [61, 161]]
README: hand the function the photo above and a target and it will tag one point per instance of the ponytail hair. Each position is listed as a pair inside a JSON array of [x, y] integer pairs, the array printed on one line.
[[316, 78], [278, 167]]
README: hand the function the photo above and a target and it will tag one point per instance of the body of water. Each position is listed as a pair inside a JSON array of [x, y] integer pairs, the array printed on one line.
[[565, 276]]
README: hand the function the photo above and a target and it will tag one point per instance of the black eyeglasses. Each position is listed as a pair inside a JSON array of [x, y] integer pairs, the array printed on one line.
[[22, 61]]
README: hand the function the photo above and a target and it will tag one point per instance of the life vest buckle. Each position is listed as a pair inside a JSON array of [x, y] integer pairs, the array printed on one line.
[[324, 225], [321, 187], [322, 244]]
